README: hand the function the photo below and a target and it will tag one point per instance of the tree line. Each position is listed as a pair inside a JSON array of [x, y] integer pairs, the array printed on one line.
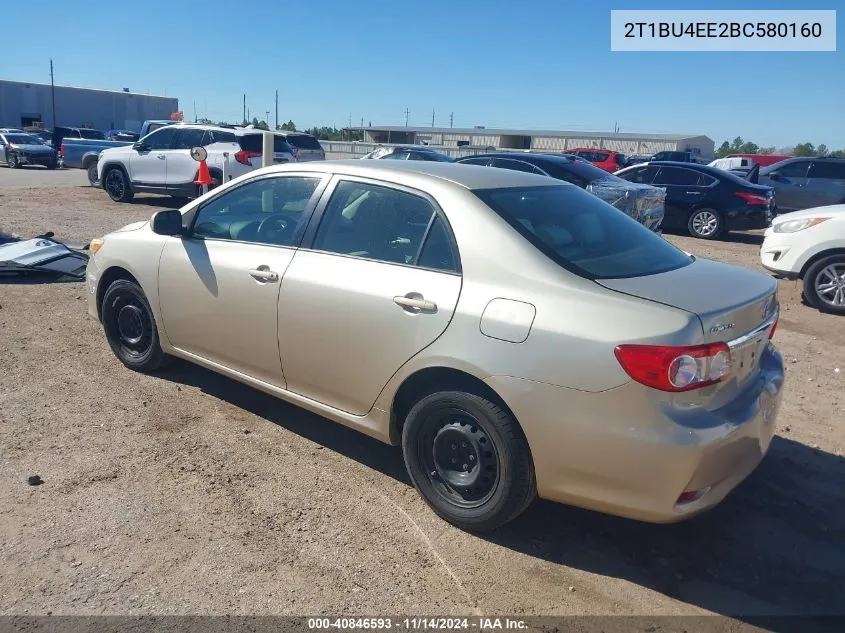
[[739, 146]]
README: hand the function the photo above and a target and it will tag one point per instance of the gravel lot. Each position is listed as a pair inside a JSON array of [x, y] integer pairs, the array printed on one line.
[[190, 493]]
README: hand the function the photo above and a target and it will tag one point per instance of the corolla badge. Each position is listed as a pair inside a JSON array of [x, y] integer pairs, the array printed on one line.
[[721, 327]]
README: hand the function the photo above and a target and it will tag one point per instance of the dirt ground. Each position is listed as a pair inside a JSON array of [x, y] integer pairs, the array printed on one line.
[[189, 493]]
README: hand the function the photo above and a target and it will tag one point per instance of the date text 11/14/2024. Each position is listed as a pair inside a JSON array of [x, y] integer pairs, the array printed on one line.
[[418, 624]]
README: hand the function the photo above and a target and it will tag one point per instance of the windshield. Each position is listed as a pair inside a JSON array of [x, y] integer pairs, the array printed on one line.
[[23, 139], [583, 233], [92, 134]]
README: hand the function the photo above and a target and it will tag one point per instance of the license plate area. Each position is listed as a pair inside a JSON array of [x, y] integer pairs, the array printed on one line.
[[745, 357]]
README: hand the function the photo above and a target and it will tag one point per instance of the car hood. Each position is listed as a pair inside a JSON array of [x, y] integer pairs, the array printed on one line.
[[833, 210], [35, 148], [729, 300], [134, 226]]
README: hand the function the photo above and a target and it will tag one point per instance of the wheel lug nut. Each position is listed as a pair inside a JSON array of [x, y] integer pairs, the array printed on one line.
[[466, 467], [454, 461], [472, 458]]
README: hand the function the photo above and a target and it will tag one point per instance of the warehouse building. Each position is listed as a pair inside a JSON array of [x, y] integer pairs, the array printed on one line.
[[540, 140], [24, 104]]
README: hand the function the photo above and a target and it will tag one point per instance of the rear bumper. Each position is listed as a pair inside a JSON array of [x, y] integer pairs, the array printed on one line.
[[758, 218], [631, 452]]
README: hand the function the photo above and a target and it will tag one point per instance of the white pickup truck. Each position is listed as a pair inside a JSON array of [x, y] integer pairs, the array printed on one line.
[[161, 162]]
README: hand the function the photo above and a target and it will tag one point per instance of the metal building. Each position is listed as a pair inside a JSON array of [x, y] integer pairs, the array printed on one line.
[[24, 103], [540, 140]]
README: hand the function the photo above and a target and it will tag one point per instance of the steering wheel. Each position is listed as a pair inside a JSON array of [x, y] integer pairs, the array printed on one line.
[[274, 222]]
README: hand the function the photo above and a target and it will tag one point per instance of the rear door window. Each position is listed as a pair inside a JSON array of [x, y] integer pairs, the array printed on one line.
[[583, 233], [828, 169], [795, 169], [676, 176]]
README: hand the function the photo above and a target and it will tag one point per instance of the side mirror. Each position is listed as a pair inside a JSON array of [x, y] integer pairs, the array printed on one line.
[[774, 175], [167, 222], [140, 146]]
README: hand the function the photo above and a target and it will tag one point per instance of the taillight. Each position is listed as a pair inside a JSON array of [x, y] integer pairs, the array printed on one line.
[[774, 327], [675, 368], [243, 157], [753, 198]]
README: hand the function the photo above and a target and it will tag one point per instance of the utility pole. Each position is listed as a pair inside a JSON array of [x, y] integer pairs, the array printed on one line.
[[244, 107], [451, 119], [268, 117], [432, 117], [277, 109], [407, 113], [53, 93], [195, 110]]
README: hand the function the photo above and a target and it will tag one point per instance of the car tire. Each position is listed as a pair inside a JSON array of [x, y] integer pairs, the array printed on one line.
[[117, 185], [824, 287], [53, 165], [706, 224], [13, 161], [469, 460], [93, 180], [130, 327]]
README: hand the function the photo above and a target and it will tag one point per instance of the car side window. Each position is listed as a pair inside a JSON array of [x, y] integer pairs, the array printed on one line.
[[484, 162], [188, 138], [828, 169], [676, 176], [644, 175], [161, 138], [437, 251], [397, 156], [267, 211], [374, 222], [601, 157], [705, 181], [796, 169], [516, 165]]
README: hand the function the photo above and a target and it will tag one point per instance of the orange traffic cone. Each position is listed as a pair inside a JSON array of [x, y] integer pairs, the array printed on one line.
[[203, 177]]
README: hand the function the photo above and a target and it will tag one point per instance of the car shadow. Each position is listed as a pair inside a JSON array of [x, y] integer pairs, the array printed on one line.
[[734, 237], [774, 547], [165, 202]]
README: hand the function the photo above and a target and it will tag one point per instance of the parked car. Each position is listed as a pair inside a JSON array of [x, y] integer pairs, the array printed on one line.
[[161, 162], [602, 158], [644, 203], [82, 153], [705, 201], [516, 335], [414, 152], [60, 133], [251, 142], [9, 130], [764, 160], [678, 157], [304, 147], [802, 183], [810, 245], [18, 149], [43, 134]]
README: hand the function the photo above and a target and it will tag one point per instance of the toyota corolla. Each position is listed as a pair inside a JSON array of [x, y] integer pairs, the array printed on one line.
[[516, 335]]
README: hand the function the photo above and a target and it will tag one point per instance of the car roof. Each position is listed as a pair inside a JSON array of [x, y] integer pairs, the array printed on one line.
[[416, 172], [707, 169], [561, 159]]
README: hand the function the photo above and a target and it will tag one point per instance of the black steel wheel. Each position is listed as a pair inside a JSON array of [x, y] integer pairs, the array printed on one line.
[[130, 327], [117, 185], [93, 179], [469, 459]]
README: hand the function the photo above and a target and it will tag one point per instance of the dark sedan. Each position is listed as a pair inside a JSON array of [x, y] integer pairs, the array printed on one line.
[[414, 152], [706, 201], [644, 203], [17, 149]]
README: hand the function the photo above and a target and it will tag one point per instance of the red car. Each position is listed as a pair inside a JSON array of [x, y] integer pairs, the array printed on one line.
[[764, 160], [603, 158]]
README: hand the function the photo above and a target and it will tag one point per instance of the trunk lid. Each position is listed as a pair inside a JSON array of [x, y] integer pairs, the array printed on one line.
[[730, 301]]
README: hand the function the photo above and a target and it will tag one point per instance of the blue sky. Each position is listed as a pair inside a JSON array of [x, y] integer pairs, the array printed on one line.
[[522, 64]]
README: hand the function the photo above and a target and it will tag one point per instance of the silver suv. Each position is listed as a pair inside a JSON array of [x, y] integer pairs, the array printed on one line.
[[802, 183]]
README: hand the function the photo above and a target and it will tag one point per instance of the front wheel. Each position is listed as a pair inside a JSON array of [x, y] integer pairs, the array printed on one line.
[[706, 224], [469, 460], [117, 185], [13, 161], [130, 328], [824, 284], [93, 179]]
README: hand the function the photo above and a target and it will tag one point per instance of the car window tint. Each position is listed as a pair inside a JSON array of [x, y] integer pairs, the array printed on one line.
[[644, 175], [187, 138], [161, 138], [705, 180], [374, 222], [266, 211], [303, 141], [830, 169], [516, 165], [397, 156], [484, 162], [796, 169], [437, 250], [222, 137], [676, 176], [582, 233]]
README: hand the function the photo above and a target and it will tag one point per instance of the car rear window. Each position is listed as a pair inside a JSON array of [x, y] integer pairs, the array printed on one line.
[[303, 141], [92, 134], [583, 233], [255, 143], [222, 137]]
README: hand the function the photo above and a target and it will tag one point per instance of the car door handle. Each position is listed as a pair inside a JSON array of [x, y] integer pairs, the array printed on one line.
[[160, 156], [415, 302], [694, 193], [263, 273]]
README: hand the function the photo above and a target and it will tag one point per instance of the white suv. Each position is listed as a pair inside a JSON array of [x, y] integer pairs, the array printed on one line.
[[161, 162]]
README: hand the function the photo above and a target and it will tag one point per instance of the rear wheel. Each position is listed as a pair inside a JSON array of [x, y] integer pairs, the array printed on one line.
[[13, 161], [130, 328], [706, 224], [824, 284], [93, 179], [117, 185], [469, 459]]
